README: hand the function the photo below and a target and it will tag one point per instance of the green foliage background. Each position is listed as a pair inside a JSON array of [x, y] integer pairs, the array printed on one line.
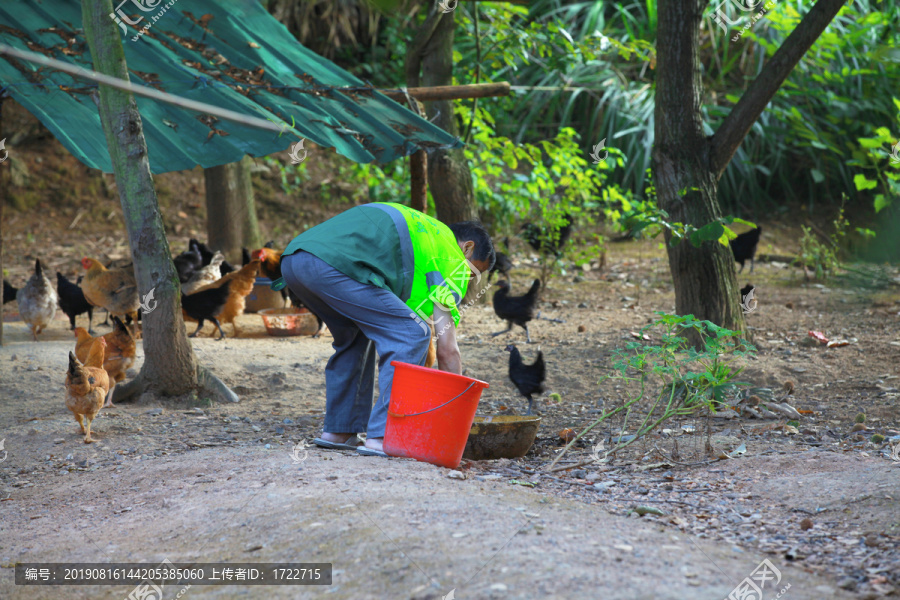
[[585, 71]]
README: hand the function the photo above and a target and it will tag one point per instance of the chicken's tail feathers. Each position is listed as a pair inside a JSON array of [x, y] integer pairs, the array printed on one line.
[[38, 270], [540, 367], [74, 365], [118, 324], [535, 287]]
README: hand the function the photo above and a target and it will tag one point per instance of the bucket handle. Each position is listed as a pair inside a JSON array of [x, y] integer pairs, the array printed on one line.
[[393, 414]]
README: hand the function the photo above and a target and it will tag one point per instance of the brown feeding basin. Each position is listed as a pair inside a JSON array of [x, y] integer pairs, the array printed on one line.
[[501, 436], [289, 321]]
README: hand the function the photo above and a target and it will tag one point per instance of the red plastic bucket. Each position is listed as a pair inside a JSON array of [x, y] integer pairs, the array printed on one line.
[[430, 414]]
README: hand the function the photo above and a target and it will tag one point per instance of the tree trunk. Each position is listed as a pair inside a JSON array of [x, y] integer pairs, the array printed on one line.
[[704, 277], [449, 178], [231, 209], [2, 203], [169, 366], [687, 165]]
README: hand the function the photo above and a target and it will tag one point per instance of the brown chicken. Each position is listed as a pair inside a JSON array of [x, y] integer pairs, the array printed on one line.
[[119, 356], [86, 387], [269, 262], [113, 289], [240, 287], [37, 301]]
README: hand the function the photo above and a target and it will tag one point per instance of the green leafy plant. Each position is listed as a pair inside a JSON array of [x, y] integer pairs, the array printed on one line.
[[292, 176], [544, 182], [673, 378], [877, 163], [822, 256]]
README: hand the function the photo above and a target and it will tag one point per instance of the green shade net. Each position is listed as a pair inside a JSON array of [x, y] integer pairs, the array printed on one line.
[[228, 53]]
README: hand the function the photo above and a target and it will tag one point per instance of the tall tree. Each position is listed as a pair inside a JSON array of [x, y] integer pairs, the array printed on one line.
[[449, 178], [231, 221], [169, 365], [2, 203], [687, 165]]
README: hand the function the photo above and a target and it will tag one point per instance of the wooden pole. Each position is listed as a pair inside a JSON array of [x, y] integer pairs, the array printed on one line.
[[450, 92], [418, 167]]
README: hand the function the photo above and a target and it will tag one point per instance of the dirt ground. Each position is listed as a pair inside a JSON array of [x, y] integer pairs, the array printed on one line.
[[201, 481], [215, 482]]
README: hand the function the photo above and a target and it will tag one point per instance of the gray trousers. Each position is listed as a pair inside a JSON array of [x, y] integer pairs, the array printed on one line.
[[364, 320]]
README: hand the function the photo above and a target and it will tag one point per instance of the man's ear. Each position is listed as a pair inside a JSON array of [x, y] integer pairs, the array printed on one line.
[[468, 248]]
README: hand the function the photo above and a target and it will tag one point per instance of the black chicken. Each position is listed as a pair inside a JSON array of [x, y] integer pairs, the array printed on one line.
[[503, 265], [744, 247], [518, 310], [206, 304], [207, 255], [529, 379], [536, 236], [9, 292], [187, 262], [72, 302]]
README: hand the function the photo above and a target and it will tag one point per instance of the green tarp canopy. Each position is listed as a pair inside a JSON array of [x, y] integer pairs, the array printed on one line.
[[228, 53]]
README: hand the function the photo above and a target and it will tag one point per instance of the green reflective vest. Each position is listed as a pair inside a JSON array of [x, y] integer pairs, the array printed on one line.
[[396, 248]]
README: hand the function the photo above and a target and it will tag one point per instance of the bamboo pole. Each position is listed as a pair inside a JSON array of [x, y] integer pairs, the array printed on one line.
[[425, 94], [140, 90]]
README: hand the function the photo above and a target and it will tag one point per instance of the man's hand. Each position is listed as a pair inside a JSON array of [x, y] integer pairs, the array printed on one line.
[[447, 349]]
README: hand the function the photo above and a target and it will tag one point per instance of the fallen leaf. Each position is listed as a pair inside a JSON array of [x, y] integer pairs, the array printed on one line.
[[784, 408], [742, 449], [525, 483], [818, 335]]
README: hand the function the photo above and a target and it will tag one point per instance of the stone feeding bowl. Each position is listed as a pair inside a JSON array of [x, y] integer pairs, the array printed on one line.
[[501, 436]]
